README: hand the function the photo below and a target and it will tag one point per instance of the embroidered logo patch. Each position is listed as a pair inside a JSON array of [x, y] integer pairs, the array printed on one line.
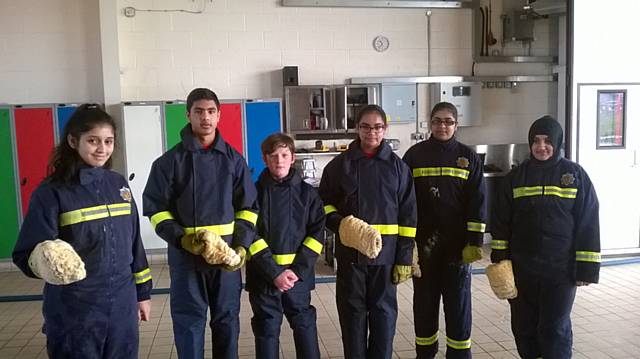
[[567, 179], [462, 162], [125, 193]]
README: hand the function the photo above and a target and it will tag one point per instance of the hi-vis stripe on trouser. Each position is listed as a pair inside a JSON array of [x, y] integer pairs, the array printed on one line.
[[93, 213], [476, 227], [459, 344], [427, 341]]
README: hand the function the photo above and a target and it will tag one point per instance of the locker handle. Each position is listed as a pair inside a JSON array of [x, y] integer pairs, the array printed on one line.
[[23, 181], [132, 176]]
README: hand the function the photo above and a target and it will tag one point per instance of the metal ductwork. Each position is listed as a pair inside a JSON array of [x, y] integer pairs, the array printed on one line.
[[547, 7], [442, 4]]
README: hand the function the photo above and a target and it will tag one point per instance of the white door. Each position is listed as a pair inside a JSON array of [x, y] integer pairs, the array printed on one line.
[[143, 144], [609, 150]]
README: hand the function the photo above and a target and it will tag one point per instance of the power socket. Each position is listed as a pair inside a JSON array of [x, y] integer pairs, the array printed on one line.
[[129, 11]]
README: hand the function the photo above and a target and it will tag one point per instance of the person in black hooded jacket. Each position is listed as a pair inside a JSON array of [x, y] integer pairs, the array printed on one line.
[[546, 223]]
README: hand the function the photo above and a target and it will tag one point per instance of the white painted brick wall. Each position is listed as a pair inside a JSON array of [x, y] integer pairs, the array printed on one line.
[[48, 51]]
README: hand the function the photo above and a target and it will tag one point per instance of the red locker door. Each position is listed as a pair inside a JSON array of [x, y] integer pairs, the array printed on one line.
[[230, 124], [34, 142]]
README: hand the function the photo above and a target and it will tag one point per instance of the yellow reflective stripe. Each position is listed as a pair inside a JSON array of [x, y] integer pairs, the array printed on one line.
[[219, 229], [313, 244], [546, 191], [160, 217], [426, 172], [458, 344], [387, 229], [427, 341], [560, 192], [476, 227], [257, 246], [329, 209], [584, 256], [93, 213], [247, 216], [284, 259], [119, 209], [440, 171], [527, 191], [407, 231], [455, 172], [499, 244], [142, 276]]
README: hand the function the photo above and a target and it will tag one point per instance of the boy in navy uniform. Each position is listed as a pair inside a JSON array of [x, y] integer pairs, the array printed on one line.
[[280, 272]]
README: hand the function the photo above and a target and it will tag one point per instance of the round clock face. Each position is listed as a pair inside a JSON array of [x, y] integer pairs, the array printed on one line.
[[380, 43]]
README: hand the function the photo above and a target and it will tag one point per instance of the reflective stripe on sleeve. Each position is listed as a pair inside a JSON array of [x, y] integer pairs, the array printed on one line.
[[499, 244], [247, 216], [329, 209], [407, 231], [160, 217], [476, 227], [313, 244], [142, 276], [257, 247], [584, 256], [284, 259]]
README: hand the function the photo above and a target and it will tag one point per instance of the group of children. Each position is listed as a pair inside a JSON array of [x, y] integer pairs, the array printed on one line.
[[98, 282]]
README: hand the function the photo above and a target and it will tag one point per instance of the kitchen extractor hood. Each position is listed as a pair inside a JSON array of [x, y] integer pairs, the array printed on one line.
[[443, 4], [547, 7]]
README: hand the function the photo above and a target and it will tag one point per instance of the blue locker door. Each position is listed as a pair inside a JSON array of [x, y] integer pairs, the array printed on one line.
[[63, 113], [263, 117]]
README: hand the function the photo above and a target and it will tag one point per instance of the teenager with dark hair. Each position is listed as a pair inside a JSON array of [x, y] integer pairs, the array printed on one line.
[[371, 206], [451, 196], [81, 235], [202, 183]]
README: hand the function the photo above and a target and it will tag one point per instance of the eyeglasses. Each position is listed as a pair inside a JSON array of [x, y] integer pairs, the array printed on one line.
[[440, 122], [367, 128]]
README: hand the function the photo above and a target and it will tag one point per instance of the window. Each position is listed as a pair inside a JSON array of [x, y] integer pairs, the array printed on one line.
[[611, 119]]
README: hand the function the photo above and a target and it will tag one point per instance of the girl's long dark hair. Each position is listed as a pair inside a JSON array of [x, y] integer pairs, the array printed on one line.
[[65, 163]]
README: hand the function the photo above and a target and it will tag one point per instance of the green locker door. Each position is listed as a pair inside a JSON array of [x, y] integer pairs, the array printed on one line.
[[175, 117], [9, 221]]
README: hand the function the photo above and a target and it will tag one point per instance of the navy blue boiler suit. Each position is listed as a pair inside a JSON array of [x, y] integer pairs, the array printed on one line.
[[547, 223], [450, 192], [96, 317], [378, 190], [190, 188], [290, 227]]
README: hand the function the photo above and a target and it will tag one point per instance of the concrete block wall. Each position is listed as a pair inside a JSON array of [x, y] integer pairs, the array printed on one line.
[[49, 51], [239, 47]]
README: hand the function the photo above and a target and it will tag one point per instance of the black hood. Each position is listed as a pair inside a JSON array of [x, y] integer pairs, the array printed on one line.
[[547, 125]]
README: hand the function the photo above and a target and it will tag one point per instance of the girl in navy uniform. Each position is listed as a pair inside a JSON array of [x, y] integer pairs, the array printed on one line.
[[371, 183], [547, 224], [89, 207]]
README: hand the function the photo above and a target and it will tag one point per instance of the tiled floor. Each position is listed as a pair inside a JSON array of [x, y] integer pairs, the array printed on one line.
[[606, 320]]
